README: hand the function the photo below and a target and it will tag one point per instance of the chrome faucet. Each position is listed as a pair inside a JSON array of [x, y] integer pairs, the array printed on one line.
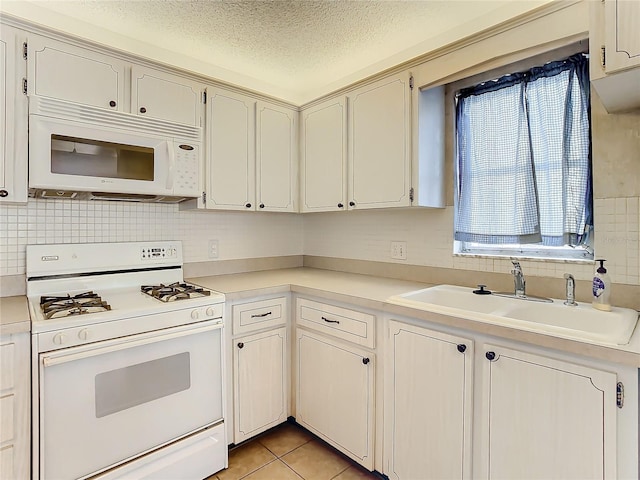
[[570, 289], [518, 279]]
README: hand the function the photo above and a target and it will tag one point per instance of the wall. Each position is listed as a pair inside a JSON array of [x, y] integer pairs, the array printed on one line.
[[240, 234]]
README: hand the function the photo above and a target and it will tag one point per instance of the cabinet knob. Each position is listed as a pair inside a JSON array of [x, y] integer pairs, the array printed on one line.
[[365, 360], [352, 204], [261, 205], [112, 103], [462, 347], [4, 193], [248, 205], [340, 205], [240, 345], [143, 110], [491, 356]]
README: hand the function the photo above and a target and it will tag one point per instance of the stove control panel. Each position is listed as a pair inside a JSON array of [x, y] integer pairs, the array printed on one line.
[[158, 252]]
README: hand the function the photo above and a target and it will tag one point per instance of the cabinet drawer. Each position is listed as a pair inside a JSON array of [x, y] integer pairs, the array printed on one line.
[[351, 325], [6, 417], [252, 316], [6, 366]]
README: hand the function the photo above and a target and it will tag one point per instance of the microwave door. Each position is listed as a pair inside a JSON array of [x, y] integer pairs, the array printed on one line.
[[67, 155]]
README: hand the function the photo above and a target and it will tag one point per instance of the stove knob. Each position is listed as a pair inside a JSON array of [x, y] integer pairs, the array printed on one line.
[[210, 312], [59, 338], [195, 314], [84, 334]]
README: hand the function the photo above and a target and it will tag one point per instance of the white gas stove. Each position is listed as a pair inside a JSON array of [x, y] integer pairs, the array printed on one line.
[[121, 343]]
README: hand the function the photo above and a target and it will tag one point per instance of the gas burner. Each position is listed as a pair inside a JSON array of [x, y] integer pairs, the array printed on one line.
[[174, 291], [64, 306]]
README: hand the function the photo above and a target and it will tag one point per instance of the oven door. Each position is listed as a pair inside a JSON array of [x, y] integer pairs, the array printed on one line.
[[105, 403]]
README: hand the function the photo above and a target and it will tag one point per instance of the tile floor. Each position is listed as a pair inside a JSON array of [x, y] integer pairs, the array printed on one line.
[[288, 452]]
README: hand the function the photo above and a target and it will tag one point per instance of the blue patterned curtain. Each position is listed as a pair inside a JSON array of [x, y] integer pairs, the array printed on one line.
[[524, 157]]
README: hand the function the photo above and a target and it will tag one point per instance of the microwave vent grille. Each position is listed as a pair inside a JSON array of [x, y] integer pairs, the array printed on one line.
[[109, 118]]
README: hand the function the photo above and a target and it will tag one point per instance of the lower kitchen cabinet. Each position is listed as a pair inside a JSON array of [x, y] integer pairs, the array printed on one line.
[[260, 382], [15, 406], [542, 418], [429, 385], [335, 394]]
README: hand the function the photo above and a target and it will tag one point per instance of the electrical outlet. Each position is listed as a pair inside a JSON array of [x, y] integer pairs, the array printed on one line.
[[213, 248], [399, 250]]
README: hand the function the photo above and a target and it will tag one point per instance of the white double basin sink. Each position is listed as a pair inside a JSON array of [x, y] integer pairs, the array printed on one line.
[[581, 322]]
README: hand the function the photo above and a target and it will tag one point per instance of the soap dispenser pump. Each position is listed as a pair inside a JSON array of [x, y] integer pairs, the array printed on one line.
[[601, 288]]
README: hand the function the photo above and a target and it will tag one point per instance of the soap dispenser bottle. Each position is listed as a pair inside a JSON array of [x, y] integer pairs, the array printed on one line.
[[601, 288]]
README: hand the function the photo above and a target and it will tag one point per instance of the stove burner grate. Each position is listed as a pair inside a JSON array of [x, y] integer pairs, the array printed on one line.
[[174, 291], [64, 306]]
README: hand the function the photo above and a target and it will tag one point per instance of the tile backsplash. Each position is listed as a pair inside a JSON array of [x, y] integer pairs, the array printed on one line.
[[239, 234]]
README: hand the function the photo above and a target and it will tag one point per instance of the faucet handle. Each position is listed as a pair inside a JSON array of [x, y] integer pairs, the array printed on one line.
[[515, 263]]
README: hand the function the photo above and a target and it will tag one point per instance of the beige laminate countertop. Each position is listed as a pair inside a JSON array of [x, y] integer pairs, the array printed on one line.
[[14, 315], [372, 292]]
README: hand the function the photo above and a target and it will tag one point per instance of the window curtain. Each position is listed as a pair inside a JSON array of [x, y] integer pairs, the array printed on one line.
[[524, 157]]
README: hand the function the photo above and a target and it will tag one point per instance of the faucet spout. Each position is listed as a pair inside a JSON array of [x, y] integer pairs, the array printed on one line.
[[518, 279], [570, 289]]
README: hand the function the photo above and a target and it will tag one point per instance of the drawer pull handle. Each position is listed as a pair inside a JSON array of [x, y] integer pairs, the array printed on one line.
[[240, 345], [260, 315], [365, 360], [330, 321]]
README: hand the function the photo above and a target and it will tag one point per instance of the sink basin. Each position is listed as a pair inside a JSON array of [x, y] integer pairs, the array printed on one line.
[[581, 322]]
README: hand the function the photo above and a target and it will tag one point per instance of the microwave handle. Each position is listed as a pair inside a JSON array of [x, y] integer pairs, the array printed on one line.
[[171, 155]]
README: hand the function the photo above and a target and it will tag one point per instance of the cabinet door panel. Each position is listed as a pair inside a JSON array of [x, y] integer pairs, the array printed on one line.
[[231, 151], [67, 72], [430, 403], [164, 96], [379, 132], [260, 384], [335, 394], [324, 157], [547, 419], [622, 20], [276, 170]]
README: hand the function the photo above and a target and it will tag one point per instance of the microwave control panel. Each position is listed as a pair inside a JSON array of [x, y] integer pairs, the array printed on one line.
[[187, 170]]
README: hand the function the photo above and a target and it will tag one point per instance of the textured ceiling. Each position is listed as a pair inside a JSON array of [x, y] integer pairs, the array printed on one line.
[[288, 48]]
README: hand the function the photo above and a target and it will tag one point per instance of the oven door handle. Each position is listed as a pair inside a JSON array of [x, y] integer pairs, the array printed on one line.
[[108, 346]]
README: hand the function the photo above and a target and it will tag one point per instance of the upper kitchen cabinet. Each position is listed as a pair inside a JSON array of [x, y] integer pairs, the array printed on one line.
[[66, 72], [276, 159], [615, 46], [251, 155], [324, 156], [380, 144], [13, 109], [230, 182], [165, 96]]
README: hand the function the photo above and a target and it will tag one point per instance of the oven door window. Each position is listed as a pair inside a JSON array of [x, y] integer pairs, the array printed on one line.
[[108, 402]]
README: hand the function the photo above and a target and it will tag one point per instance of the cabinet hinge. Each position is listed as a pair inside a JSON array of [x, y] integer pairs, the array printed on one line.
[[24, 86], [411, 194], [24, 50], [204, 197], [620, 394], [204, 97], [411, 82], [603, 57]]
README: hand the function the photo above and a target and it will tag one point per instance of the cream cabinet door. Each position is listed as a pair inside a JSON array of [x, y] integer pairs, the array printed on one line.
[[13, 123], [324, 157], [75, 74], [260, 382], [622, 37], [429, 379], [335, 394], [380, 144], [165, 96], [230, 164], [543, 418], [276, 158]]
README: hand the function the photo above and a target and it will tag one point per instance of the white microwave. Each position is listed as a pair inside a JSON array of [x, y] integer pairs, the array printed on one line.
[[83, 152]]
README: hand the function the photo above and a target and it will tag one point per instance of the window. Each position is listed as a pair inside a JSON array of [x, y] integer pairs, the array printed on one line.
[[523, 164]]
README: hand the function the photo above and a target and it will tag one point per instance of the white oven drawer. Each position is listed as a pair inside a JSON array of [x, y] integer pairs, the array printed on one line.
[[252, 316], [107, 402], [350, 325]]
